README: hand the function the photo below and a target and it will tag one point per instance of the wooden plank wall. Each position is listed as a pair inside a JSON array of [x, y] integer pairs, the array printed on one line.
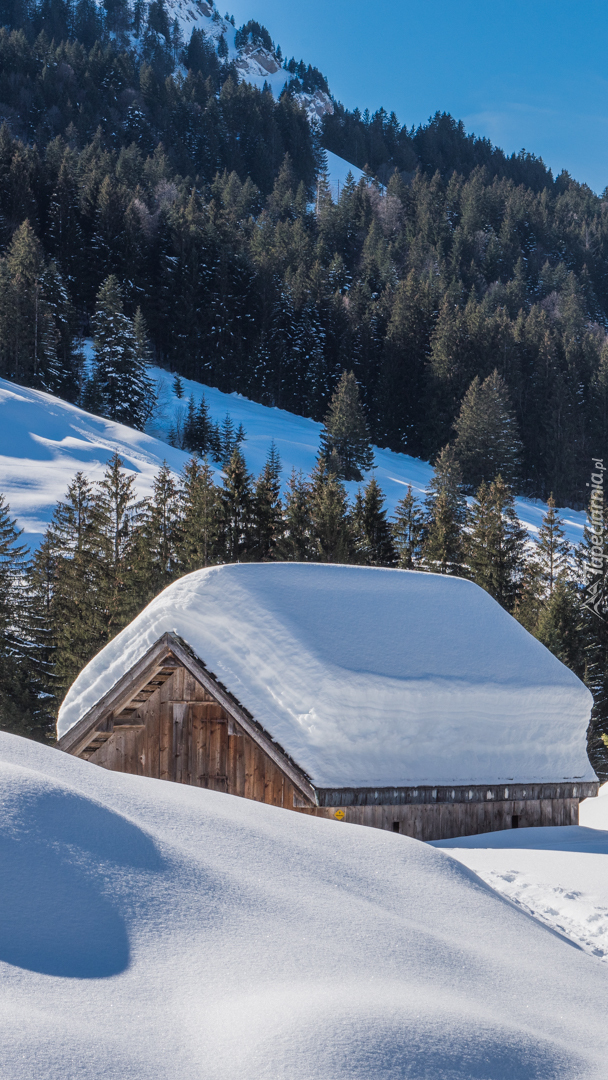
[[186, 736], [189, 738], [444, 821]]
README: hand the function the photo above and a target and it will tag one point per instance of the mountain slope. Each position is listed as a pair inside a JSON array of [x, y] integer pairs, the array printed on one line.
[[44, 441]]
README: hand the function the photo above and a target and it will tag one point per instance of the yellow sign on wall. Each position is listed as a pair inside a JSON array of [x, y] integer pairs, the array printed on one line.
[[339, 814]]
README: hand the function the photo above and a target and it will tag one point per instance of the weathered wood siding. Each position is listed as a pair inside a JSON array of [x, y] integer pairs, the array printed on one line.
[[181, 733], [448, 820], [170, 726]]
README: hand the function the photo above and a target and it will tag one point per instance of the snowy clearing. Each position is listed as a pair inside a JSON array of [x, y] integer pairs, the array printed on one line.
[[297, 440], [368, 677], [558, 875], [44, 441], [153, 931]]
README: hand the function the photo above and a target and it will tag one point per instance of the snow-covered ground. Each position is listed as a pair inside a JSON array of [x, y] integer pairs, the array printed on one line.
[[297, 440], [337, 173], [153, 931], [558, 875], [44, 441]]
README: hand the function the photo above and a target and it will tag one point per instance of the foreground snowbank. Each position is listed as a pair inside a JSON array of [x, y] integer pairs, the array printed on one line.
[[557, 875], [369, 677], [152, 931]]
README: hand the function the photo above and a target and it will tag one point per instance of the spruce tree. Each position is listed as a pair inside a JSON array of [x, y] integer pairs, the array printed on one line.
[[16, 698], [552, 548], [201, 542], [237, 509], [345, 441], [267, 510], [487, 440], [120, 387], [442, 549], [78, 630], [332, 530], [592, 563], [297, 543], [41, 638], [159, 535], [560, 625], [117, 516], [496, 543], [407, 528], [373, 536]]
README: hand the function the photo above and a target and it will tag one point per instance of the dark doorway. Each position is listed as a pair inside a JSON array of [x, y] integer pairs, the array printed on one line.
[[515, 821], [395, 826]]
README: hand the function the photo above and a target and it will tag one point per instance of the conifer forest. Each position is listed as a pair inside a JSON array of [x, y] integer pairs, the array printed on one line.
[[452, 304]]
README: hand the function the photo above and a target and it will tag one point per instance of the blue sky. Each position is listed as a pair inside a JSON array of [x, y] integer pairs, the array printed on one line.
[[531, 75]]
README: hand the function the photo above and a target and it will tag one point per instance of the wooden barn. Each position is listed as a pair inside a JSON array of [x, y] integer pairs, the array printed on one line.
[[403, 701]]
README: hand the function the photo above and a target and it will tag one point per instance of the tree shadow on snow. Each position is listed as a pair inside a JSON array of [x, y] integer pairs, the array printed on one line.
[[55, 917]]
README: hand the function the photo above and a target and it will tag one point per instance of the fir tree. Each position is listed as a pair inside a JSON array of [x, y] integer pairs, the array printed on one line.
[[159, 535], [345, 441], [496, 543], [442, 549], [178, 387], [407, 530], [76, 617], [592, 562], [487, 441], [237, 509], [116, 518], [120, 387], [331, 524], [16, 699], [201, 541], [552, 548], [297, 544], [373, 537], [267, 510], [560, 625], [39, 668]]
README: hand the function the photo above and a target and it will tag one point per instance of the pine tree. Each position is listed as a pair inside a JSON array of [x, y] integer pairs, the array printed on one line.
[[201, 542], [297, 544], [442, 549], [120, 387], [78, 631], [496, 543], [116, 521], [331, 523], [267, 509], [552, 548], [407, 530], [16, 699], [159, 535], [560, 625], [345, 440], [487, 441], [237, 509], [41, 638], [373, 536], [178, 387]]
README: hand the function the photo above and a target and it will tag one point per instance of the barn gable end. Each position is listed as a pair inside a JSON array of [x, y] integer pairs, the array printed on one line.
[[170, 719]]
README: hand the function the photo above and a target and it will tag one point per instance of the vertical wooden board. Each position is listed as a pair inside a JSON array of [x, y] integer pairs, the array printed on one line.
[[239, 777], [259, 774], [189, 686], [178, 683], [166, 742], [166, 690]]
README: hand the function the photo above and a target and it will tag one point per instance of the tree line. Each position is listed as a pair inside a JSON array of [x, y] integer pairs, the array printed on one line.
[[208, 202], [106, 554]]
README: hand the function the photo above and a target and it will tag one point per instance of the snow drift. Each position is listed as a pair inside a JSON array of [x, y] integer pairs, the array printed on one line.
[[369, 677], [152, 930]]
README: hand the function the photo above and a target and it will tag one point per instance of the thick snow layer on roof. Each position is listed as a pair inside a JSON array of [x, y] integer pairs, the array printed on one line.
[[152, 931], [369, 677]]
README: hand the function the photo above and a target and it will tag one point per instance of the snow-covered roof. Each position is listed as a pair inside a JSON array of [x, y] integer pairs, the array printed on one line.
[[368, 677]]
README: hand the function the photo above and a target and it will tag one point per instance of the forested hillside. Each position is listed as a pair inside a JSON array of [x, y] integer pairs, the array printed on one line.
[[134, 153]]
